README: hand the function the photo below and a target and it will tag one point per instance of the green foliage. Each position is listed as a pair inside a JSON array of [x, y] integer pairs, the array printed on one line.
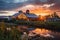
[[15, 34], [12, 34]]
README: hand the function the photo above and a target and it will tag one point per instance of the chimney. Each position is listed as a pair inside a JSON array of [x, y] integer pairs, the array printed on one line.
[[27, 11]]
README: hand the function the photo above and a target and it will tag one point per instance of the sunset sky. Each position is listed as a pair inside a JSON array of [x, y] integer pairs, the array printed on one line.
[[39, 7]]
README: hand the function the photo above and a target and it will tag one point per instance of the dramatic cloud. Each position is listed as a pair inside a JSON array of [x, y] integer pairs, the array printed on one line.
[[37, 6], [13, 4], [47, 5], [9, 5], [31, 7], [43, 0], [17, 1]]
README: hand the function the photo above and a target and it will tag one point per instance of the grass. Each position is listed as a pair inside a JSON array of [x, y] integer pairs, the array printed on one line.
[[15, 34], [40, 24]]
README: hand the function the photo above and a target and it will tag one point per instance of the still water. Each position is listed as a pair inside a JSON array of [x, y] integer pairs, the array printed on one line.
[[41, 32]]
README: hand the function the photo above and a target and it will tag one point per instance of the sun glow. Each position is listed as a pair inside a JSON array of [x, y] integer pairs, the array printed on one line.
[[41, 31], [42, 10], [36, 9]]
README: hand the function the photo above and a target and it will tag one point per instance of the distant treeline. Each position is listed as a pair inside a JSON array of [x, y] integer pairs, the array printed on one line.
[[39, 24]]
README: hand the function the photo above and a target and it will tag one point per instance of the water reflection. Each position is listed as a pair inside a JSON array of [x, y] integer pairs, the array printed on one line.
[[38, 31], [42, 32], [45, 33]]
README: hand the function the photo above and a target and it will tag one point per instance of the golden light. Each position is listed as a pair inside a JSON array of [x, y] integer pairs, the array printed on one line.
[[41, 31], [36, 9], [42, 18], [41, 11]]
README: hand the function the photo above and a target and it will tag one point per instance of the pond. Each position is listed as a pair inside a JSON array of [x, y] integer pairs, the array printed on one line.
[[42, 33]]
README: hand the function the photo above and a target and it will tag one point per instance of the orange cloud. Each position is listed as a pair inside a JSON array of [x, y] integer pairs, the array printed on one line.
[[36, 9]]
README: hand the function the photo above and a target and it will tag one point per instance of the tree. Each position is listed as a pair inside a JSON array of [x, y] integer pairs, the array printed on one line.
[[55, 15]]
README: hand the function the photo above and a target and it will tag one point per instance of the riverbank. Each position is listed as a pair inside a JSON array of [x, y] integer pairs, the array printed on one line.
[[14, 32], [55, 26], [40, 24]]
